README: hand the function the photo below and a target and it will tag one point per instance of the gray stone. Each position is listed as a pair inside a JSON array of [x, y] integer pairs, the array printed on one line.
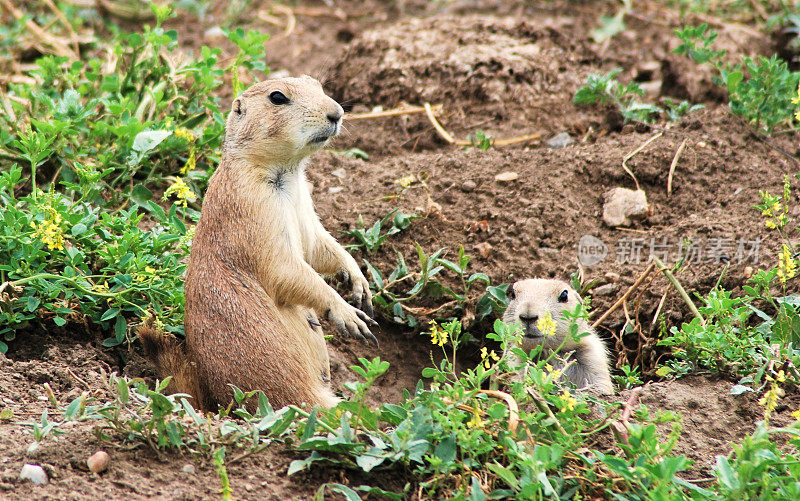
[[188, 469], [469, 185], [560, 140], [34, 473]]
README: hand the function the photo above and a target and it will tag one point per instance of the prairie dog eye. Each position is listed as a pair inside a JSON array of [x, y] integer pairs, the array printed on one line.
[[562, 298], [510, 292], [277, 98]]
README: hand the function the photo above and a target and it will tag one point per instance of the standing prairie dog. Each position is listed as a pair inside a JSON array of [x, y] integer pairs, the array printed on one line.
[[253, 284], [530, 300]]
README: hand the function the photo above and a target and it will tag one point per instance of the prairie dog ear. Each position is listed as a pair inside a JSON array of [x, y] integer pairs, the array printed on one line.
[[237, 107]]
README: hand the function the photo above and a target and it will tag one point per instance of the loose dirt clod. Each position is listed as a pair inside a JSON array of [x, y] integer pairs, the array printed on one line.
[[98, 462], [622, 206]]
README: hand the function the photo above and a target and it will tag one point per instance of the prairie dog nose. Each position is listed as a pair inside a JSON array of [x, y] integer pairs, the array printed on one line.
[[334, 116], [528, 318]]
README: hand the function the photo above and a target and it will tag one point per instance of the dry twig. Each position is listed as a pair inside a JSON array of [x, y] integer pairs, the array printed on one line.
[[672, 166], [625, 296], [636, 152]]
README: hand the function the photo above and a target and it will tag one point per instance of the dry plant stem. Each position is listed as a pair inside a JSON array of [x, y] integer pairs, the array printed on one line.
[[60, 15], [625, 296], [541, 404], [516, 140], [320, 12], [680, 290], [673, 165], [58, 47], [291, 22], [513, 408], [636, 152], [620, 428], [440, 130], [402, 110], [658, 310]]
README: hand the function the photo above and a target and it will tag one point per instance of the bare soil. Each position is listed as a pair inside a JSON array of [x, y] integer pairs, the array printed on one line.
[[511, 69]]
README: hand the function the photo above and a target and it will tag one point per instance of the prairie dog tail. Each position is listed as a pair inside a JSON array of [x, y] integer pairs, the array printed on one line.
[[169, 356]]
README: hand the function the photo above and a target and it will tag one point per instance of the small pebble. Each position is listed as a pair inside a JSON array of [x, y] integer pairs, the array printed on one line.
[[34, 473], [214, 35], [340, 173], [98, 462], [484, 249], [188, 469], [506, 176], [605, 290], [335, 189], [249, 487], [559, 141], [469, 185]]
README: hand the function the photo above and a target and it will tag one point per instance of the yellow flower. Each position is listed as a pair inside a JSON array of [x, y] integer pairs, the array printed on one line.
[[796, 100], [546, 325], [49, 231], [796, 414], [190, 164], [487, 357], [185, 134], [405, 181], [787, 266], [569, 401], [475, 421], [552, 373], [781, 376], [181, 191], [770, 399], [438, 335], [100, 287]]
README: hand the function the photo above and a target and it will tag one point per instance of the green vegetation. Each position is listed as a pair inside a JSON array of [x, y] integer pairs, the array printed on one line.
[[101, 162], [606, 89], [83, 149], [762, 90]]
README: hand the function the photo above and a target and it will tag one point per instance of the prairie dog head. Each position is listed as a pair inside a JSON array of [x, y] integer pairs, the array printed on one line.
[[530, 300], [281, 121]]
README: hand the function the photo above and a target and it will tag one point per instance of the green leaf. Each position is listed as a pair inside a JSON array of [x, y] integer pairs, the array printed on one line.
[[505, 474], [476, 493], [308, 432], [369, 461], [144, 143], [446, 450], [60, 321], [109, 314], [725, 474], [32, 303], [141, 195], [120, 328]]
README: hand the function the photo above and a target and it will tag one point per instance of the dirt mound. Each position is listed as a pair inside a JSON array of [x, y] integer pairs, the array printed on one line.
[[712, 419]]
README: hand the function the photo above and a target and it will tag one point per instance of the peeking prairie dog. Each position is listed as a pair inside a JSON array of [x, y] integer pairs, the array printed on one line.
[[253, 284], [530, 301]]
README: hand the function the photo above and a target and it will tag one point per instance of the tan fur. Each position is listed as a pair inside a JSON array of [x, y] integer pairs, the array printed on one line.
[[253, 285], [532, 299]]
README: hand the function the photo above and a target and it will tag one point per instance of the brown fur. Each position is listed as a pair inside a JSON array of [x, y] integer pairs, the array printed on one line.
[[253, 280]]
